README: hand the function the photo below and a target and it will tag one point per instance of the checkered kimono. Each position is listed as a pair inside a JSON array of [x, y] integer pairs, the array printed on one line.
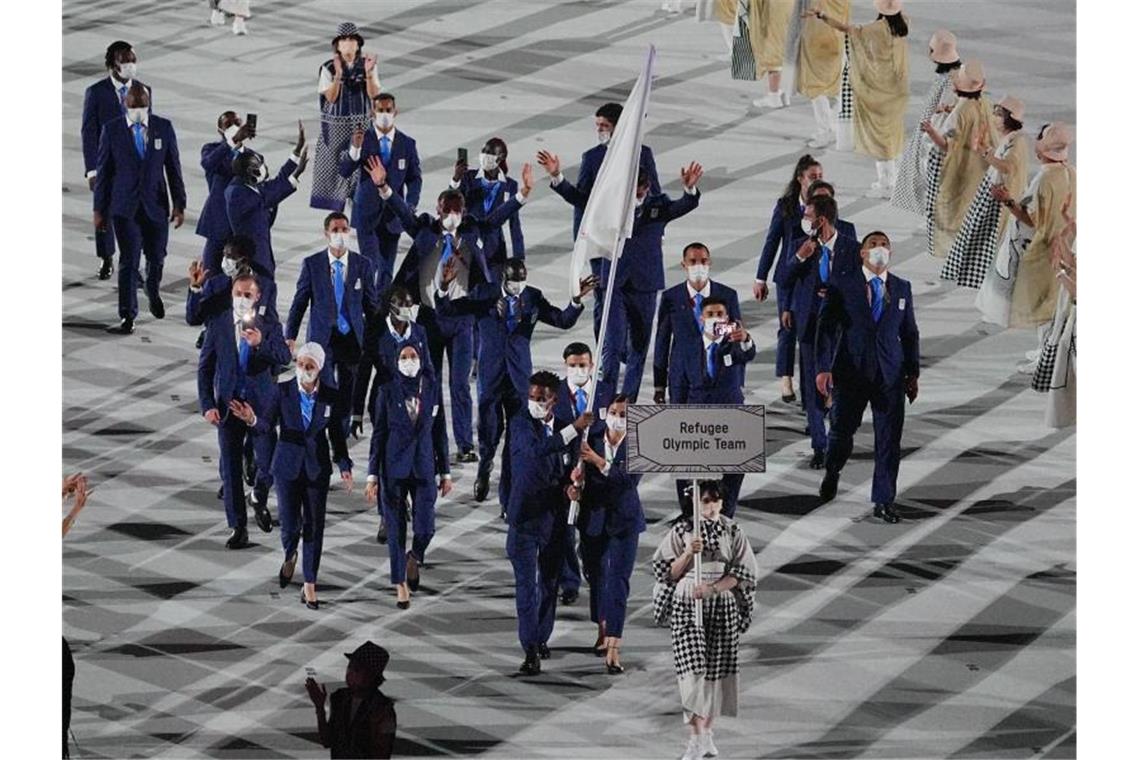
[[705, 659], [911, 185]]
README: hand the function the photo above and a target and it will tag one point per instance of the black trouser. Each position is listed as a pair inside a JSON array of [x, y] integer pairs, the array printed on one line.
[[68, 678]]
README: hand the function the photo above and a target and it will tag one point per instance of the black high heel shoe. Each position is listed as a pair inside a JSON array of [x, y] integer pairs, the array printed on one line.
[[311, 605], [283, 578], [614, 668]]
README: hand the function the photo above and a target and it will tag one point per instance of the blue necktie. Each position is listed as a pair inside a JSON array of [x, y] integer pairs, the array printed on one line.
[[711, 364], [448, 243], [385, 150], [698, 299], [490, 190], [824, 263], [338, 290], [546, 430], [123, 98], [140, 141], [307, 403], [243, 363], [581, 405], [876, 298], [512, 313]]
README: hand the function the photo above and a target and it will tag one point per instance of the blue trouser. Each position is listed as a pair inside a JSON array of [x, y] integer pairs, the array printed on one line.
[[263, 447], [301, 512], [608, 562], [536, 559], [453, 335], [492, 389], [139, 236], [395, 505], [231, 445], [812, 401], [849, 399], [629, 331], [212, 255], [105, 241], [379, 245], [785, 338]]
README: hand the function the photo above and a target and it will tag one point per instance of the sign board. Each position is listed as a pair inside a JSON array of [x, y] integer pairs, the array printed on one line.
[[696, 439]]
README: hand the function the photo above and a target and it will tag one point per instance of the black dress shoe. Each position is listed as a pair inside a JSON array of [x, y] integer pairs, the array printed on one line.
[[201, 339], [285, 574], [817, 458], [544, 651], [239, 539], [249, 471], [262, 516], [157, 307], [126, 326], [106, 267], [382, 533], [412, 572], [829, 487], [569, 596], [788, 398], [531, 666], [503, 515], [467, 456], [614, 668], [311, 605], [886, 513], [221, 491], [482, 487]]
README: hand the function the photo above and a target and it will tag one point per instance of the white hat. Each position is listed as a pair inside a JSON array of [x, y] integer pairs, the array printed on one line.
[[943, 47], [888, 7], [1055, 141], [313, 351], [1015, 107], [970, 78]]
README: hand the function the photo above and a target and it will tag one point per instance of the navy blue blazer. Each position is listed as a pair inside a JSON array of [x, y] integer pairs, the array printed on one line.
[[610, 503], [566, 405], [577, 193], [692, 384], [368, 210], [251, 211], [783, 238], [303, 449], [101, 104], [475, 196], [215, 295], [314, 286], [381, 353], [401, 449], [801, 279], [502, 350], [678, 331], [852, 346], [218, 364], [125, 182], [217, 163], [539, 469]]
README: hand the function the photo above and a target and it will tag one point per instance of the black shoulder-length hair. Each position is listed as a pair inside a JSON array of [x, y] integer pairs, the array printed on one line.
[[897, 24], [790, 200]]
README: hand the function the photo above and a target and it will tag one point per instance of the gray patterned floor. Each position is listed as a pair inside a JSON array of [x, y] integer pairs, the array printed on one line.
[[950, 635]]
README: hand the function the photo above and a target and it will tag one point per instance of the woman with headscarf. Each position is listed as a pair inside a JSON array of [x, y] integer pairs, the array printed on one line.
[[962, 168], [348, 82], [705, 656], [985, 222], [410, 451], [910, 193], [819, 67], [880, 79], [1020, 289]]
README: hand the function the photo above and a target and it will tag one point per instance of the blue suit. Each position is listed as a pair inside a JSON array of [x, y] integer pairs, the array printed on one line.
[[536, 518], [213, 223], [678, 331], [377, 227], [343, 350], [381, 352], [406, 456], [132, 192], [803, 280], [482, 197], [577, 193], [453, 334], [504, 363], [102, 102], [870, 362], [252, 210], [215, 295], [609, 521], [301, 465], [221, 379]]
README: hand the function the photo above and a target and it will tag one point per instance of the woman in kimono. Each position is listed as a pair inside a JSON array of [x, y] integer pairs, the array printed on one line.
[[1008, 165], [1020, 289], [819, 67], [962, 169], [348, 82], [880, 80], [910, 192], [705, 658]]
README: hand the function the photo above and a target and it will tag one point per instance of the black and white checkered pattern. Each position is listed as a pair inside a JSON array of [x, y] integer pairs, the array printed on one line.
[[933, 182], [976, 242], [910, 186], [846, 94]]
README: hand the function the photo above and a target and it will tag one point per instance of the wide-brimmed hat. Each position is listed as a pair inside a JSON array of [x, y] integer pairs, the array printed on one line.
[[1015, 107], [888, 7], [348, 29], [971, 77], [1055, 141], [371, 657], [943, 47]]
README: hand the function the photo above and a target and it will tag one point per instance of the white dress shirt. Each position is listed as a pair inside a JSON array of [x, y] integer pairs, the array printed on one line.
[[332, 269], [704, 292], [611, 452], [354, 150]]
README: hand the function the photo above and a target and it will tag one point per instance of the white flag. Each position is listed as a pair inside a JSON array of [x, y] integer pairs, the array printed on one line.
[[608, 217]]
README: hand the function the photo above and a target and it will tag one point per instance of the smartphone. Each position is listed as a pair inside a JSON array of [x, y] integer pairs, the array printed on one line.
[[723, 329], [461, 155], [251, 121]]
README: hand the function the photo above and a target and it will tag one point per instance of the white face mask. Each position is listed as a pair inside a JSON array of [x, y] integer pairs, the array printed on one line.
[[229, 266], [514, 287], [407, 313], [537, 409], [615, 423], [263, 175], [338, 240], [243, 306], [488, 161], [230, 131], [578, 376], [451, 221], [409, 367], [136, 115], [309, 376], [879, 256], [127, 71], [806, 226], [698, 273], [603, 137], [385, 120]]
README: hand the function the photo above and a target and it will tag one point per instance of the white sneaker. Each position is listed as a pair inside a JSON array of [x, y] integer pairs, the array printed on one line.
[[707, 744], [217, 18], [695, 750], [239, 26], [821, 139], [771, 100], [1033, 355], [1028, 368]]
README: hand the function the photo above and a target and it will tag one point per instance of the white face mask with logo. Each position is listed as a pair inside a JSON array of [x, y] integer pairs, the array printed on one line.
[[806, 226], [537, 409], [578, 376], [338, 240], [615, 423], [136, 115], [488, 162], [407, 313], [229, 266], [514, 287], [698, 273], [879, 256], [409, 367], [127, 71], [243, 305], [450, 222], [385, 120]]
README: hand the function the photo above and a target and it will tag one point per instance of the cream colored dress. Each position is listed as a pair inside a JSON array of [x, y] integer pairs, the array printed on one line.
[[768, 31], [880, 79], [962, 170], [819, 60]]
